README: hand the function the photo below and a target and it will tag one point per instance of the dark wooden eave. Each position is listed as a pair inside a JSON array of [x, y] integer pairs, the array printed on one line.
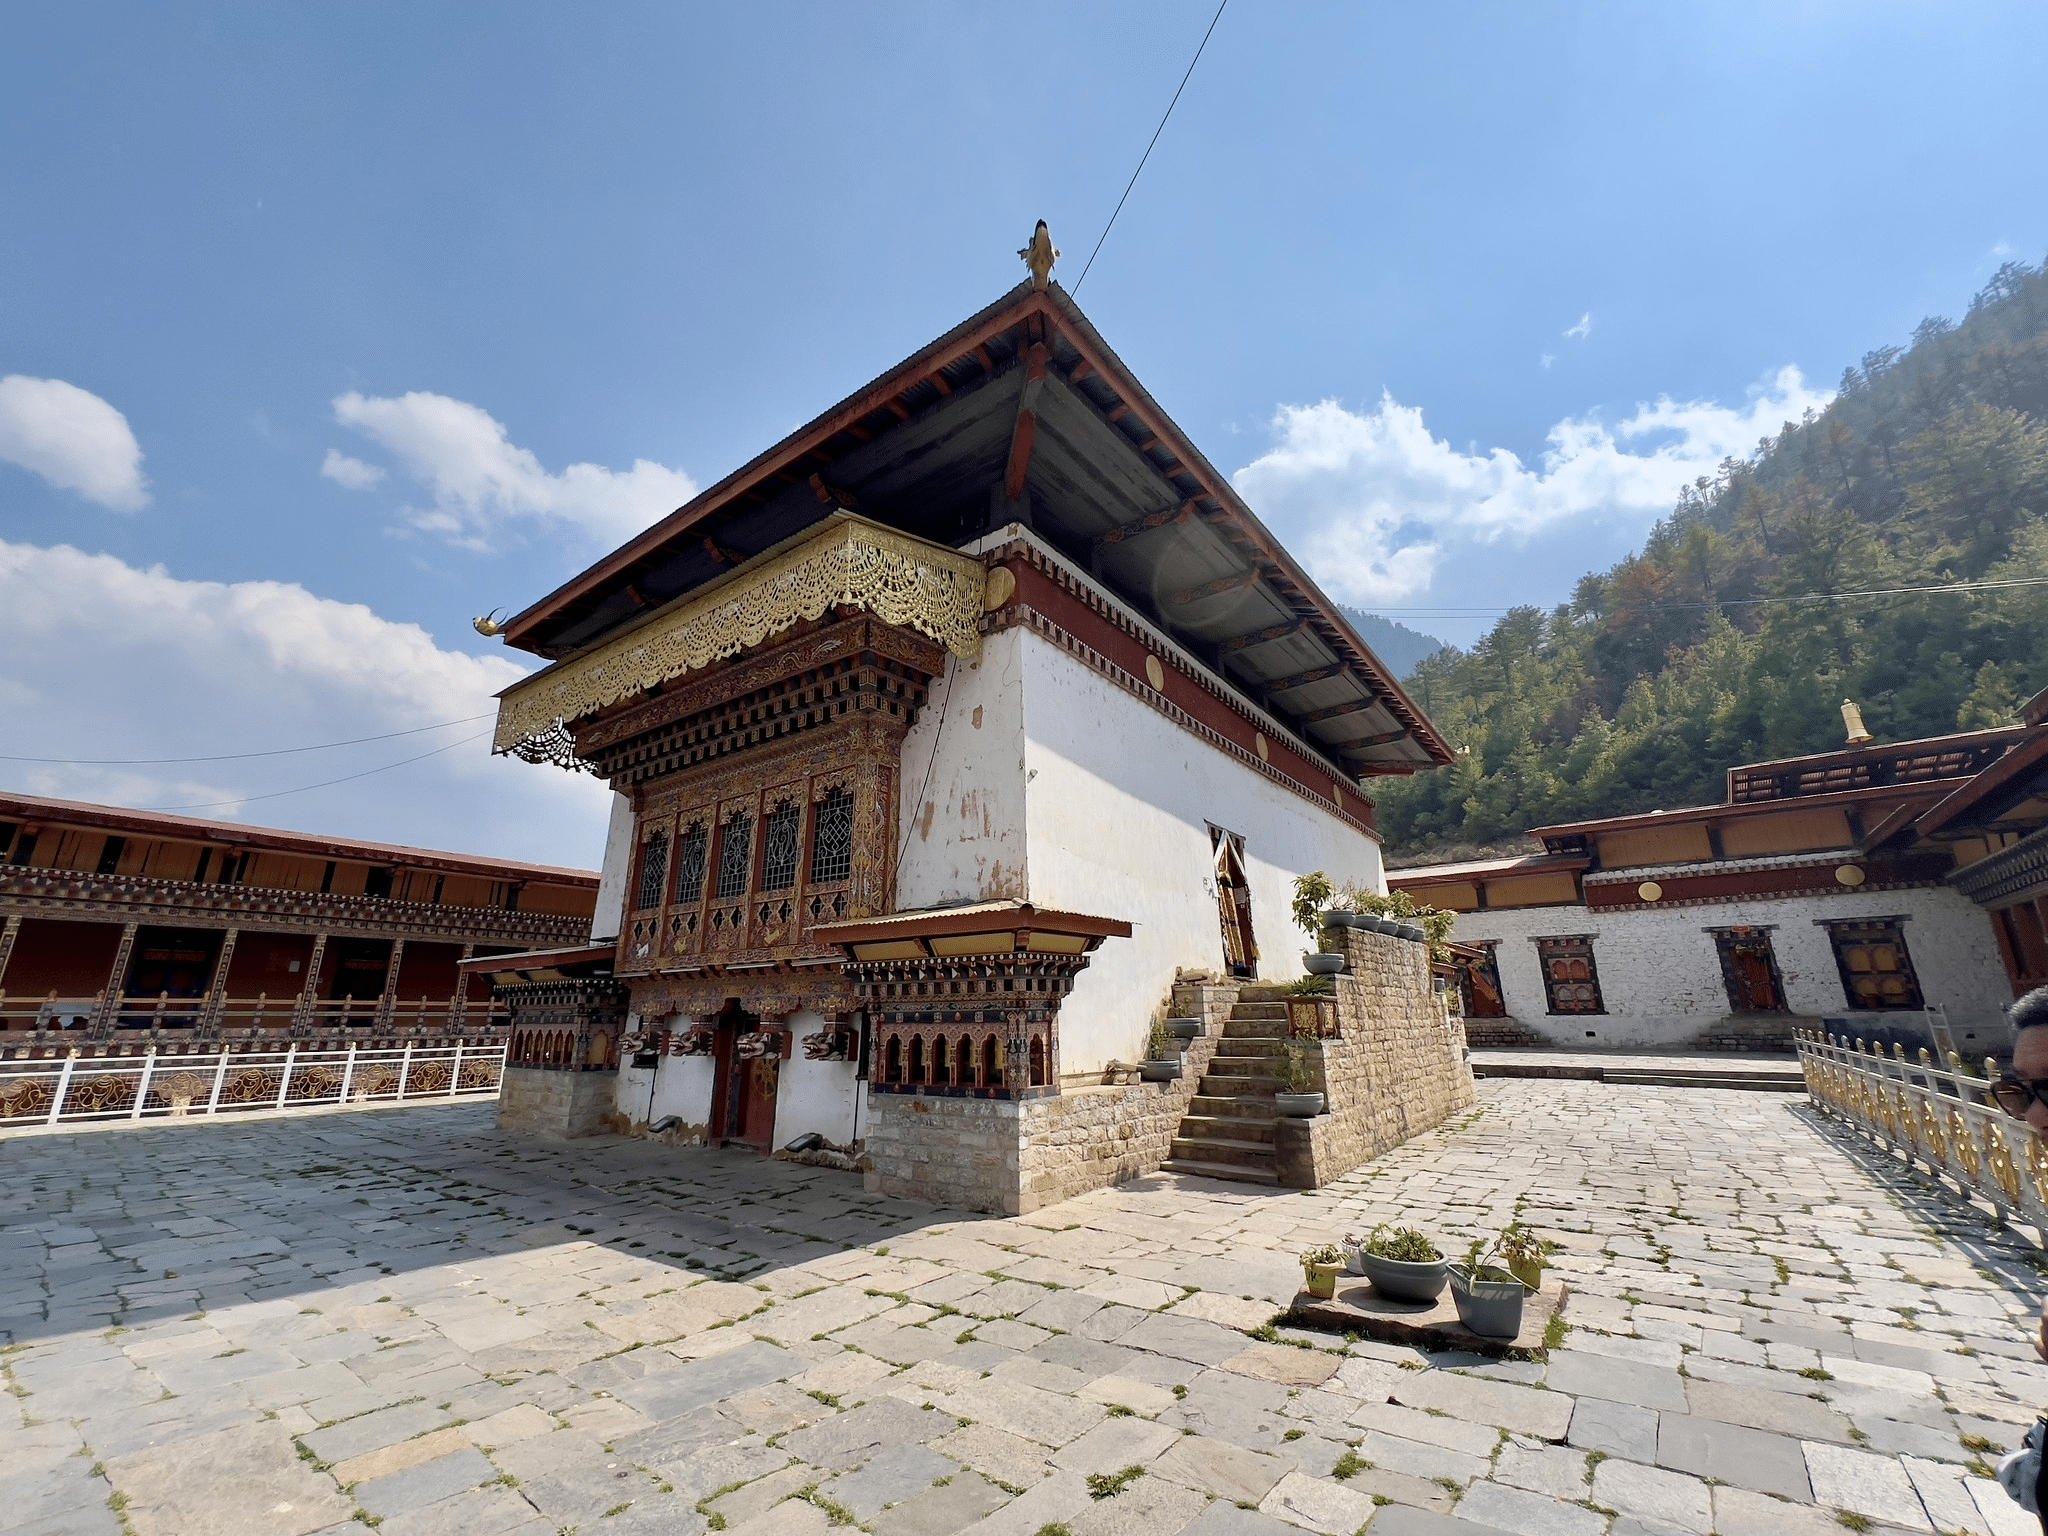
[[1024, 414]]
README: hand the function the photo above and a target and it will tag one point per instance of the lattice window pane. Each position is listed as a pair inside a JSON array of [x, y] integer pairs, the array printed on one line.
[[832, 839], [692, 851], [780, 844], [1570, 982], [1877, 971], [653, 871], [735, 857]]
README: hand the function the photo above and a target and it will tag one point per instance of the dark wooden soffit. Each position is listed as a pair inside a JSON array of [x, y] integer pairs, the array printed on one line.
[[1004, 335]]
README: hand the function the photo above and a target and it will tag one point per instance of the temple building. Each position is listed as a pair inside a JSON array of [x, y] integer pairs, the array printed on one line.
[[122, 928], [1887, 891], [957, 739]]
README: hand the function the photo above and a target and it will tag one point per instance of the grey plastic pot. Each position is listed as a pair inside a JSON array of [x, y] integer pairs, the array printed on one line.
[[1184, 1028], [1412, 932], [1489, 1301], [1338, 917], [1159, 1071], [1406, 1279], [1323, 965], [1298, 1106], [1372, 924]]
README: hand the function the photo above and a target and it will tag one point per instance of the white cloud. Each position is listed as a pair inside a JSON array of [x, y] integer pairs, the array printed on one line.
[[197, 668], [353, 473], [73, 439], [1584, 328], [482, 481], [1373, 498], [1548, 358]]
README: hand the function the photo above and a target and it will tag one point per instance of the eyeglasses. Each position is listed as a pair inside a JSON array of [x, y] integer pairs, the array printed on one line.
[[2015, 1095]]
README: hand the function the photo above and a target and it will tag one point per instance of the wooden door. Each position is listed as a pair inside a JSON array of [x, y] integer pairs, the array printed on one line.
[[1234, 904], [759, 1079]]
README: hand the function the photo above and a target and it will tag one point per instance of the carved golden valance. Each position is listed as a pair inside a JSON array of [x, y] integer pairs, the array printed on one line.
[[899, 579]]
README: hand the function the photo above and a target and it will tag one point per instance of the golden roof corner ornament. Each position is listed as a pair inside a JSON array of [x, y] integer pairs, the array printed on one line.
[[1039, 256], [1852, 717], [488, 626]]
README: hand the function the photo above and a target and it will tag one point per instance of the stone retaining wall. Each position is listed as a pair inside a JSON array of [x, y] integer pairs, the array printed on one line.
[[555, 1104], [1011, 1157], [1398, 1071]]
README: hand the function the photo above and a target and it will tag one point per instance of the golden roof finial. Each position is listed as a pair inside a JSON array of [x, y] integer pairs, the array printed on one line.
[[1852, 717], [488, 626], [1039, 256]]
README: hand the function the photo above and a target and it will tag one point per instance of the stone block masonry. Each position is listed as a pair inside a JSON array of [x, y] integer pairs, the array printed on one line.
[[1398, 1070], [1012, 1157], [556, 1104]]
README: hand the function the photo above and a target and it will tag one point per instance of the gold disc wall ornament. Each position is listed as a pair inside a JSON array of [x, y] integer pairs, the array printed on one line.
[[1265, 751], [1650, 890], [1155, 674], [1851, 875], [1000, 587]]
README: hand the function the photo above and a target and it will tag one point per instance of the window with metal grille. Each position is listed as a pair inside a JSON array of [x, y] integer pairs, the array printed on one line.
[[832, 837], [1876, 970], [1570, 982], [735, 857], [780, 843], [653, 871], [692, 851]]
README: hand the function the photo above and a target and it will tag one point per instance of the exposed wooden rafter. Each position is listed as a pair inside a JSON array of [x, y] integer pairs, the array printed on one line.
[[1217, 588], [1338, 711], [1385, 738], [1165, 517], [1266, 636], [1303, 679], [1036, 359]]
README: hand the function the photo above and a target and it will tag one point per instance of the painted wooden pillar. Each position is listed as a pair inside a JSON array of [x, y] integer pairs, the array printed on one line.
[[217, 989], [387, 1003], [310, 991], [458, 1008], [110, 1000], [7, 937]]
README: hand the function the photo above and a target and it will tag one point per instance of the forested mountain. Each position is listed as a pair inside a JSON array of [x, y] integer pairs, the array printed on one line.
[[1930, 466], [1401, 648]]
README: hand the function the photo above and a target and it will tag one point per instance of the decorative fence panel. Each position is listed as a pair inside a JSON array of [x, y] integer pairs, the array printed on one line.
[[75, 1088], [1940, 1117]]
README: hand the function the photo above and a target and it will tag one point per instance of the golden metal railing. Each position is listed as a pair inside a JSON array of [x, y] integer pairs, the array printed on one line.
[[1939, 1116]]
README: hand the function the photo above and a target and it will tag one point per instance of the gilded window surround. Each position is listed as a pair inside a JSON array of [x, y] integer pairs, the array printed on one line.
[[901, 580]]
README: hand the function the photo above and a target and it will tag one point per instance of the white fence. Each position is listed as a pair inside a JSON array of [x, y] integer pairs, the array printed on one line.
[[75, 1088], [1941, 1117]]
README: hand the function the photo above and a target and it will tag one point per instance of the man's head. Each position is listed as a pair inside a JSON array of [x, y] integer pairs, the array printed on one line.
[[2029, 1018]]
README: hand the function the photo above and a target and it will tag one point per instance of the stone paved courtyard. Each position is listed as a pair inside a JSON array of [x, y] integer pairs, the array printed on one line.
[[404, 1320]]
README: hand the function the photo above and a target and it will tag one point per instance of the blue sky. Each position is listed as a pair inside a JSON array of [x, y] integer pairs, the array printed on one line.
[[1459, 293]]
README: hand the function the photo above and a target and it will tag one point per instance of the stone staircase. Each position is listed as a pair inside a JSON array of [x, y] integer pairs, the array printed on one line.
[[1228, 1130]]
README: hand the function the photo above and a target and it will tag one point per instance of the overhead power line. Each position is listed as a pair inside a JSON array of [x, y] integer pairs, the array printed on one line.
[[1148, 149], [232, 757], [1746, 602], [327, 784]]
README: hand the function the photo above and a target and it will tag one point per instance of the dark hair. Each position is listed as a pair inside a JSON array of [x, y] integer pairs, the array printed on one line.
[[2031, 1011]]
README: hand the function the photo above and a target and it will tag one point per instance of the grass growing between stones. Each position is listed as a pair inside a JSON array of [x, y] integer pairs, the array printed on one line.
[[1107, 1485]]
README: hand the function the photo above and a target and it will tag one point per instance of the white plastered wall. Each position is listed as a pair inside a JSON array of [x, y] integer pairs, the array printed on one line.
[[677, 1085], [961, 826], [813, 1095], [1660, 972]]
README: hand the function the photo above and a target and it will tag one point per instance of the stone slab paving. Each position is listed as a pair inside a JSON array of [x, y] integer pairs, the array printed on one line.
[[411, 1323]]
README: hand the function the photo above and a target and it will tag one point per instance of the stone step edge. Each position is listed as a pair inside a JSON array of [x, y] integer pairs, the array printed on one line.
[[1230, 1173]]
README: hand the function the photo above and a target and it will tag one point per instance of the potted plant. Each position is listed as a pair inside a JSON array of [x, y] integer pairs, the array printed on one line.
[[1489, 1298], [1524, 1253], [1312, 893], [1319, 1267], [1400, 914], [1162, 1063], [1402, 1264], [1185, 1028], [1298, 1098]]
